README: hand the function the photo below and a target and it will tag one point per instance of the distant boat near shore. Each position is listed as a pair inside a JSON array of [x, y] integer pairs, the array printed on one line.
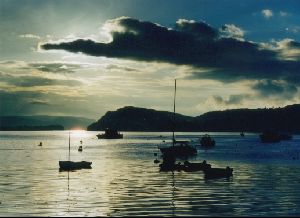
[[110, 134]]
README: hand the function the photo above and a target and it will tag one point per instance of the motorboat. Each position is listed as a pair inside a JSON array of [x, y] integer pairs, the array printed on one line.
[[216, 173], [110, 134], [71, 165]]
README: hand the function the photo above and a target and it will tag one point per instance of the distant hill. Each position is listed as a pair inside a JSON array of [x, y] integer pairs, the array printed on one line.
[[67, 122], [31, 128], [255, 120], [140, 119]]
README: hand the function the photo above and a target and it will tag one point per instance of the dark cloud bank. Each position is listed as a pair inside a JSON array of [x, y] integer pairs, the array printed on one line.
[[196, 44]]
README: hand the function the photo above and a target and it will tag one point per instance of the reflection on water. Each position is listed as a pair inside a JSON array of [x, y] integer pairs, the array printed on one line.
[[124, 180]]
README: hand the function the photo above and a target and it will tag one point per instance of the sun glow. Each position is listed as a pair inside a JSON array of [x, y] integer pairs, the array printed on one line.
[[78, 133]]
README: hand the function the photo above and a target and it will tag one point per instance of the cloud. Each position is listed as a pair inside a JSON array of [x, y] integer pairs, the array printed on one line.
[[267, 88], [289, 50], [293, 29], [119, 67], [267, 13], [13, 103], [232, 31], [232, 99], [30, 102], [200, 30], [283, 13], [50, 67], [226, 57], [30, 36], [286, 49], [38, 102], [138, 40], [32, 81], [54, 67]]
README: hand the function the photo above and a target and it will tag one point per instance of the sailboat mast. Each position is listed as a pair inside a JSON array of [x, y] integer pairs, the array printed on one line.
[[69, 146], [174, 115]]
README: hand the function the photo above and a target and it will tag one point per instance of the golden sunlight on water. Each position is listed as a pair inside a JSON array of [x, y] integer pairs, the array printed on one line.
[[124, 180]]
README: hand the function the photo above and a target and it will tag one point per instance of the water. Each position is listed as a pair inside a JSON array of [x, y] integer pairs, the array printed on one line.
[[124, 181]]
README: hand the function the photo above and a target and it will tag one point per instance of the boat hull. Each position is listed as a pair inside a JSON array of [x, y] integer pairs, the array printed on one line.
[[190, 167], [216, 173], [103, 136], [71, 165], [178, 151]]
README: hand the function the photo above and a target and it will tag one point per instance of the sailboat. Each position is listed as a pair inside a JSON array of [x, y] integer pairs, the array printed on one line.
[[71, 165], [178, 148]]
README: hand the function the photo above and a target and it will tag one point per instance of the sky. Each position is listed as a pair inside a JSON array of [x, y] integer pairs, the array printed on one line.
[[84, 58]]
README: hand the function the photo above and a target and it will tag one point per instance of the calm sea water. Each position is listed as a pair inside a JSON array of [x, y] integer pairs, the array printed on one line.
[[125, 181]]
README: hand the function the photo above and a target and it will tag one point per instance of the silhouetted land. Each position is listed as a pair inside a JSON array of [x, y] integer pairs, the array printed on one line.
[[253, 120], [31, 128], [27, 122]]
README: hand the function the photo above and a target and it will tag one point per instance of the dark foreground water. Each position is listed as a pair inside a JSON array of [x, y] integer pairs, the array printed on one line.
[[124, 180]]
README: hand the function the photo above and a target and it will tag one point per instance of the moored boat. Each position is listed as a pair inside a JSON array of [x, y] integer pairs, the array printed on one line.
[[110, 134], [216, 173], [178, 148], [72, 165]]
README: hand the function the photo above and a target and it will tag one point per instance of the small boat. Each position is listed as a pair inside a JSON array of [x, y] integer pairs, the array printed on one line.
[[178, 148], [207, 141], [110, 134], [242, 134], [80, 148], [270, 137], [192, 167], [165, 167], [186, 166], [216, 173], [71, 165]]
